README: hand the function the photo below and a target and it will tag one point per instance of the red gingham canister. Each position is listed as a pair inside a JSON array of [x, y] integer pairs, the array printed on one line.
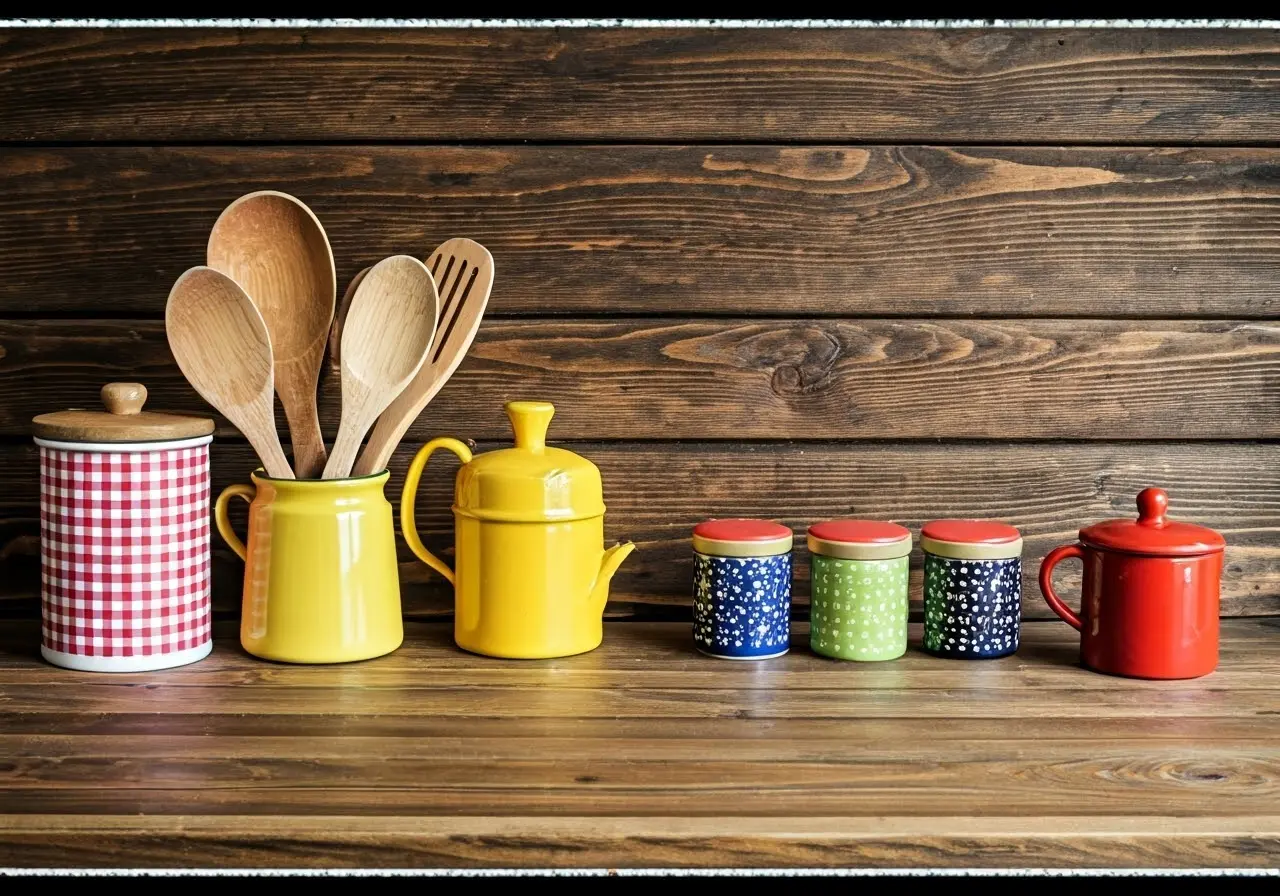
[[124, 535]]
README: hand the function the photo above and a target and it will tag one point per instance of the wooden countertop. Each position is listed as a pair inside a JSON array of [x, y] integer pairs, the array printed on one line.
[[643, 753]]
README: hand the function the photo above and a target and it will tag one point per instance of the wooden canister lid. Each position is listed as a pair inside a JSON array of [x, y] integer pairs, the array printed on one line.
[[124, 420]]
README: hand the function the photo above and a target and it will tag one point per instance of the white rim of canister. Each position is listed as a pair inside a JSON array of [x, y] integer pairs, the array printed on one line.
[[82, 663], [125, 447]]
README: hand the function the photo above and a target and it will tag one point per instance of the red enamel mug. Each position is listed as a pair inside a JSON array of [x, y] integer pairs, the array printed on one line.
[[1151, 590]]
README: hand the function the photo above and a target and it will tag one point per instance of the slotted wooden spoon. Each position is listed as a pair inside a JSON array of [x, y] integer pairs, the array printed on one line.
[[273, 246], [221, 345], [385, 341], [464, 276]]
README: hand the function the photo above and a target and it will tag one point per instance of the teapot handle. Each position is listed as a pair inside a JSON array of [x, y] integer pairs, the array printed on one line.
[[407, 524], [1056, 556]]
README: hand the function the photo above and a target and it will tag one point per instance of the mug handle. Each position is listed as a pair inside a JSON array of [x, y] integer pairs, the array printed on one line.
[[248, 492], [407, 524], [1056, 556]]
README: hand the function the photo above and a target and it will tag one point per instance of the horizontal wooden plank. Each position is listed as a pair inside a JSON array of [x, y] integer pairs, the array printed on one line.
[[624, 842], [1051, 85], [805, 759], [657, 492], [800, 231], [762, 379], [664, 654]]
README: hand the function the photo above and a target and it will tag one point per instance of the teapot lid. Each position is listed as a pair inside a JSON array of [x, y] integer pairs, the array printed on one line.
[[1152, 533], [529, 482], [124, 420]]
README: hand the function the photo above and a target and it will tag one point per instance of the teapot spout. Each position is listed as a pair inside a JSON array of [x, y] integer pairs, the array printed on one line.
[[608, 566]]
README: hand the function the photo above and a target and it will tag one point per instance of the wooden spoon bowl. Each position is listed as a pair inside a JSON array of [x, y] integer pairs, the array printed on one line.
[[274, 247]]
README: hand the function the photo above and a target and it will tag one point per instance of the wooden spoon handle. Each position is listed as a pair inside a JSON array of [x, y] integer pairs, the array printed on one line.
[[309, 453], [271, 454], [344, 451], [384, 440]]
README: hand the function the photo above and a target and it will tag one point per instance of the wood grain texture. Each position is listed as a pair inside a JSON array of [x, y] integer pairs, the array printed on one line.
[[727, 230], [640, 753], [646, 842], [1124, 85], [657, 492], [744, 379]]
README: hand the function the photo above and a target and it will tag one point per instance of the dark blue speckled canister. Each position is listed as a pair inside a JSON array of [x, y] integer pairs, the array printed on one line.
[[742, 589], [972, 588]]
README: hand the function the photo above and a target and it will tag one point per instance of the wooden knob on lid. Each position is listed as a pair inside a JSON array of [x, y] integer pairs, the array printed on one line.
[[124, 399]]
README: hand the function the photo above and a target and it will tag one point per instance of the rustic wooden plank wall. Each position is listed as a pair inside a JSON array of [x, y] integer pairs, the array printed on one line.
[[790, 273]]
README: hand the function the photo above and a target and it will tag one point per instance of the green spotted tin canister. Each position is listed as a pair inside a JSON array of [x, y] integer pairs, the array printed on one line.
[[858, 607]]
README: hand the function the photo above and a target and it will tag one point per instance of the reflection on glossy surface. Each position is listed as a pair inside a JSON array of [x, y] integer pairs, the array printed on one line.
[[321, 583]]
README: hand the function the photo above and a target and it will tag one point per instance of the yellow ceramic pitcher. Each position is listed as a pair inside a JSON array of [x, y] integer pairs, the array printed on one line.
[[320, 574], [533, 574]]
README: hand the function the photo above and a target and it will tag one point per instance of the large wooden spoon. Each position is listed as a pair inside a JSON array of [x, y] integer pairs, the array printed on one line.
[[464, 272], [274, 247], [221, 344], [385, 341]]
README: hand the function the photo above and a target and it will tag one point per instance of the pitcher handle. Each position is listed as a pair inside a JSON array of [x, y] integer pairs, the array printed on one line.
[[407, 524], [1056, 556], [248, 492]]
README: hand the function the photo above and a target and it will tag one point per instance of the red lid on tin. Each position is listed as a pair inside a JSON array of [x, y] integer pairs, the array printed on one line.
[[859, 540], [1153, 533], [741, 530], [741, 538], [971, 539], [970, 532]]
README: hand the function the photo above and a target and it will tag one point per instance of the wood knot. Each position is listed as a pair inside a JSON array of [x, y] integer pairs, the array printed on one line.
[[803, 359]]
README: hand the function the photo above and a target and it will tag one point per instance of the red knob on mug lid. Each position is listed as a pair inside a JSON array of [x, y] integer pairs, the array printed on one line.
[[1153, 533], [1152, 504]]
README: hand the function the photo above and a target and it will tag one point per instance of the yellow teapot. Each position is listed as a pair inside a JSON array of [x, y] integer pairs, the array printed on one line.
[[532, 572]]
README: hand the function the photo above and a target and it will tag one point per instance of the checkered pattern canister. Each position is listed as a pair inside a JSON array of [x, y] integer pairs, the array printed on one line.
[[124, 548]]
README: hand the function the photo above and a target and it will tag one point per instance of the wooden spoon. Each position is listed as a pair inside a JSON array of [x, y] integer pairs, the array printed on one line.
[[274, 247], [340, 317], [464, 271], [385, 342], [221, 344]]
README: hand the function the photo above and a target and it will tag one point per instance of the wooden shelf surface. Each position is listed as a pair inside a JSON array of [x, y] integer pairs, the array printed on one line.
[[641, 754]]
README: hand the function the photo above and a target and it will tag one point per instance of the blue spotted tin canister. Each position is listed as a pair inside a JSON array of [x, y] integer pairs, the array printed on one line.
[[972, 588], [742, 589]]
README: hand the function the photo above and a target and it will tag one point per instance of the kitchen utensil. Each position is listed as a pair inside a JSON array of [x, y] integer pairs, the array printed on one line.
[[742, 589], [1151, 591], [124, 535], [340, 317], [532, 571], [274, 247], [858, 607], [464, 273], [221, 345], [972, 588], [320, 580], [385, 341]]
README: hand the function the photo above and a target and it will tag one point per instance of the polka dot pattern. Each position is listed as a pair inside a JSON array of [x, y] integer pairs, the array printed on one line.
[[859, 608], [742, 605], [972, 608]]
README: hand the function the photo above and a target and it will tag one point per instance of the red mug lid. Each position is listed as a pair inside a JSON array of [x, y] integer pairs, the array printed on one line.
[[1153, 533]]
